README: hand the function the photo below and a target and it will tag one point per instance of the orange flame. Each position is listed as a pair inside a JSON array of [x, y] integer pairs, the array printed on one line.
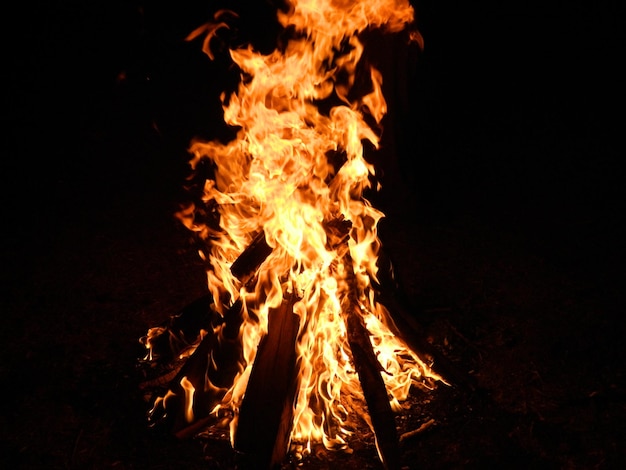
[[277, 177]]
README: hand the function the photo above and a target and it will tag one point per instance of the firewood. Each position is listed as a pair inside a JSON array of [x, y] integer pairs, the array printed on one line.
[[194, 428], [400, 321], [374, 390], [266, 412], [218, 358], [407, 323], [411, 434], [197, 363], [251, 258], [180, 331], [369, 371]]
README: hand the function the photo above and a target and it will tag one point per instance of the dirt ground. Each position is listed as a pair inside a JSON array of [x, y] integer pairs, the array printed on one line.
[[539, 336], [504, 235]]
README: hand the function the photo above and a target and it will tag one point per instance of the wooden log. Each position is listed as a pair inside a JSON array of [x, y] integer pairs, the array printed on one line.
[[251, 258], [369, 371], [217, 358], [406, 323], [266, 413], [181, 330], [171, 411], [226, 359], [374, 390], [404, 326]]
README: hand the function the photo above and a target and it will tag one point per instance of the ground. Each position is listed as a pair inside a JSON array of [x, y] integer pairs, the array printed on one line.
[[503, 224], [539, 339]]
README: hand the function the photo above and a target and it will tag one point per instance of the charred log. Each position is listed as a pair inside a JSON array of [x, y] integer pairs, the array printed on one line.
[[208, 372], [180, 331], [266, 412], [407, 323], [369, 371], [246, 265]]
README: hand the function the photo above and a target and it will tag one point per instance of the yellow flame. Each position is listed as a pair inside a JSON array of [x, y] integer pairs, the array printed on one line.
[[276, 177], [189, 392]]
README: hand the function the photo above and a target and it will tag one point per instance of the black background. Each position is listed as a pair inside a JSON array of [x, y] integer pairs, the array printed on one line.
[[515, 111], [506, 204]]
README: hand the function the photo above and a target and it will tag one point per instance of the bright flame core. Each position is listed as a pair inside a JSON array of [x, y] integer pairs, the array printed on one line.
[[277, 177]]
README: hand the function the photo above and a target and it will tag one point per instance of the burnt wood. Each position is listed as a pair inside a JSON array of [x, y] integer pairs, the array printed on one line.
[[182, 329], [369, 371], [247, 263], [403, 325], [216, 359], [172, 409], [266, 413], [407, 323]]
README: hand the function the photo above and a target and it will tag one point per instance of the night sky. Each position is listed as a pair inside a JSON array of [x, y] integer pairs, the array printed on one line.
[[514, 111]]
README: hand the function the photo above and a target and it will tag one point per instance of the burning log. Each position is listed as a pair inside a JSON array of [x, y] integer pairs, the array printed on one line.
[[266, 412], [404, 321], [251, 258], [369, 369], [207, 371], [179, 332], [404, 326], [365, 362]]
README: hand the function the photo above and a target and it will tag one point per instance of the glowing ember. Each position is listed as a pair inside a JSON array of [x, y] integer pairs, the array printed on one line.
[[290, 188]]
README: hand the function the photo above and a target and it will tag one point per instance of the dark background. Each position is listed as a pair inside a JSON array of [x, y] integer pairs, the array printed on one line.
[[514, 110], [505, 213]]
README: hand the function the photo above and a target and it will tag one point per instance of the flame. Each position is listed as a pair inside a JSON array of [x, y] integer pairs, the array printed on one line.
[[189, 392], [293, 170]]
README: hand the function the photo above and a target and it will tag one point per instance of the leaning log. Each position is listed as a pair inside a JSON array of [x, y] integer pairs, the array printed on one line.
[[404, 326], [247, 263], [405, 322], [369, 371], [266, 413]]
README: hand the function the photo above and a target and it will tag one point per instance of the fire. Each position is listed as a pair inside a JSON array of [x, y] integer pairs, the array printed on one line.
[[293, 181]]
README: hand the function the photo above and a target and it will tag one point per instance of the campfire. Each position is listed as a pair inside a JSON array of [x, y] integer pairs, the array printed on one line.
[[294, 332]]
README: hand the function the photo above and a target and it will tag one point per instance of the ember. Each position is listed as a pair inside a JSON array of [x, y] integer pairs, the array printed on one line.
[[294, 329]]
